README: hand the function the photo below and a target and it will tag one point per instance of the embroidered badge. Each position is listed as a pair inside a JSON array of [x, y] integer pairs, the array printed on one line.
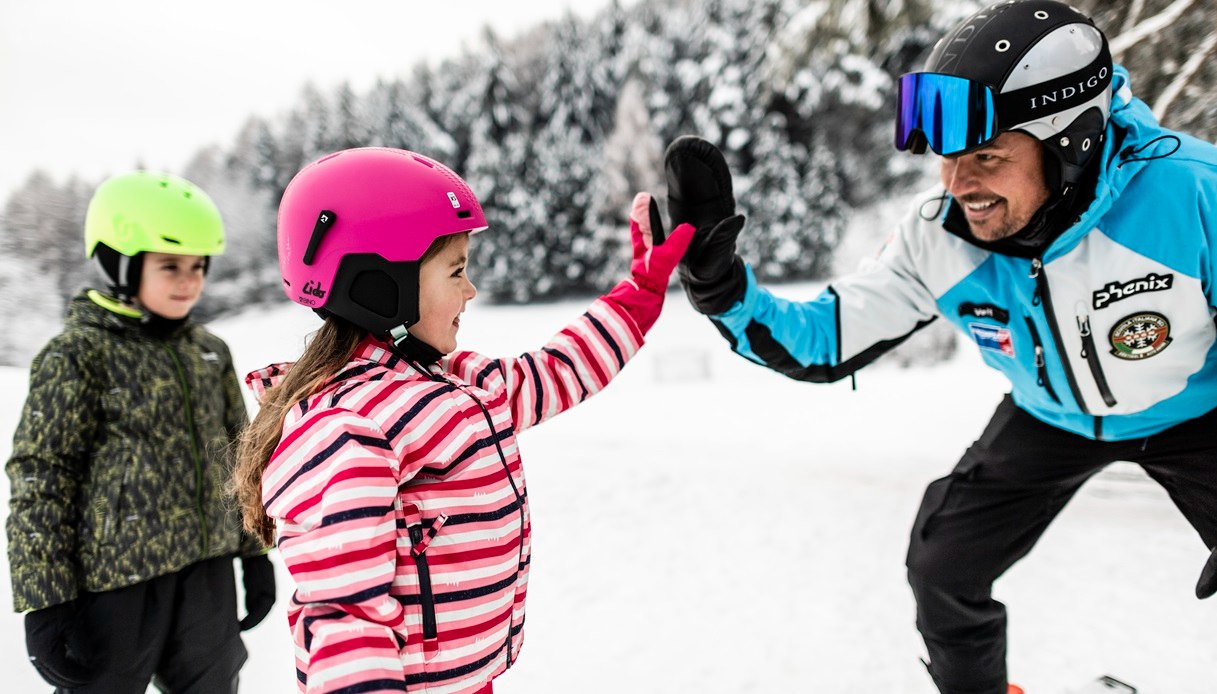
[[1117, 291], [992, 338], [1140, 336]]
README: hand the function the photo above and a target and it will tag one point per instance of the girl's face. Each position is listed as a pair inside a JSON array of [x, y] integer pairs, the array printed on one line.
[[170, 285], [443, 290]]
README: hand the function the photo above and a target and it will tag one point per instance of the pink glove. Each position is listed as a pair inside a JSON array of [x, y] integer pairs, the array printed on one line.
[[654, 260]]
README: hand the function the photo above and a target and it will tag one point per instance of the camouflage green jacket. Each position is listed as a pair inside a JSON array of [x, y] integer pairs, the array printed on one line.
[[121, 457]]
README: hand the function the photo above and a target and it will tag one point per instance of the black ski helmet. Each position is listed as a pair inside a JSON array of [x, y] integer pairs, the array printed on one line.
[[1035, 66]]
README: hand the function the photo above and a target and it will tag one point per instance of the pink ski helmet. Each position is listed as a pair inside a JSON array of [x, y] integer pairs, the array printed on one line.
[[353, 226]]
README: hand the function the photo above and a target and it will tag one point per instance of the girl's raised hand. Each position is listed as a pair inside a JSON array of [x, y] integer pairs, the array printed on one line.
[[655, 257]]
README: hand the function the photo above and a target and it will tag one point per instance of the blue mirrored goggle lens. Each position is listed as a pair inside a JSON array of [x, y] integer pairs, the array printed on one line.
[[949, 114]]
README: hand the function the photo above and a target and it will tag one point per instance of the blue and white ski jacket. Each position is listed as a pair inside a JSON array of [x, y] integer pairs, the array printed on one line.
[[1109, 334]]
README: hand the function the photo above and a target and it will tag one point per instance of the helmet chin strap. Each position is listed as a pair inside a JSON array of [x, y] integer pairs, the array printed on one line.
[[412, 348], [399, 334]]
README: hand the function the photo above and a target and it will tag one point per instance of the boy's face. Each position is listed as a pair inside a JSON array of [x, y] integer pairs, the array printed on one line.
[[170, 285], [443, 290]]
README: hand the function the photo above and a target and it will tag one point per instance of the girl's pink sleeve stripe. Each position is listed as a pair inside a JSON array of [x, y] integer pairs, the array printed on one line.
[[575, 364]]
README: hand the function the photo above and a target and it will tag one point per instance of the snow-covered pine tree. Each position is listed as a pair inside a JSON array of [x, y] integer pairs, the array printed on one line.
[[631, 161], [244, 273], [396, 117], [348, 126], [567, 141], [502, 261], [41, 243]]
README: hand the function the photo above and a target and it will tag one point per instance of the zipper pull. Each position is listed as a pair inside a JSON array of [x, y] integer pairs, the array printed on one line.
[[423, 540], [1037, 267], [1083, 327], [1039, 357]]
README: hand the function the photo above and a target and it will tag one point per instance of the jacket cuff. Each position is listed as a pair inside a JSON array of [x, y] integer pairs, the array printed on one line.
[[717, 296]]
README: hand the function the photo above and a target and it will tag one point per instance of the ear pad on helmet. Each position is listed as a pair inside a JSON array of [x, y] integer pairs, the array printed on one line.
[[122, 272], [1067, 152], [373, 293]]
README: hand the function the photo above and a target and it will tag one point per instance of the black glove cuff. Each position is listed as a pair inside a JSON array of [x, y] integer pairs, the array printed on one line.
[[716, 295], [1207, 585]]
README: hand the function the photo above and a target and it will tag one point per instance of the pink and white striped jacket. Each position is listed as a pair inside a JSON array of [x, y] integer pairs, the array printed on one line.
[[402, 511]]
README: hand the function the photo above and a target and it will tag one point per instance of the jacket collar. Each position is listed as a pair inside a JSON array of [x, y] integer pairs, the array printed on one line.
[[92, 308], [369, 352]]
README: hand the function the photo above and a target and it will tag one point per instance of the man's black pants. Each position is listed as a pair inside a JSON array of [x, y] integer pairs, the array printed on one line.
[[179, 631], [975, 523]]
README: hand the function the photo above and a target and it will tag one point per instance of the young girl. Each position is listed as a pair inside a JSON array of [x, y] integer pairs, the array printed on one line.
[[120, 538], [385, 459]]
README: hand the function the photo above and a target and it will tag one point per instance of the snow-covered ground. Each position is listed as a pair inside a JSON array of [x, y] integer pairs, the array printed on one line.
[[705, 525]]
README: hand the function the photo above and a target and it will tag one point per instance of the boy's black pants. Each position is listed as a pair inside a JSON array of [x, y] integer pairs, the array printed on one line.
[[988, 513], [178, 631]]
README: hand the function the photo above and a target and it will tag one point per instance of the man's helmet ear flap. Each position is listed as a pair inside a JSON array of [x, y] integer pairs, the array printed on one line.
[[1067, 153]]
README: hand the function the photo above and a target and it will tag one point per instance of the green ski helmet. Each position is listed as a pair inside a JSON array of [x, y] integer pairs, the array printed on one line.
[[148, 211]]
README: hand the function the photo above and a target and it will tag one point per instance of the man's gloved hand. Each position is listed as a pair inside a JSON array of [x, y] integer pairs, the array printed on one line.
[[654, 260], [258, 578], [1207, 585], [46, 640], [699, 193]]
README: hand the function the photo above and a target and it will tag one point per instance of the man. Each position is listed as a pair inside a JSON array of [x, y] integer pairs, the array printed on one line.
[[1072, 240]]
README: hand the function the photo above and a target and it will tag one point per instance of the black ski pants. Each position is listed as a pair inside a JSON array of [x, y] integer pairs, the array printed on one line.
[[179, 631], [976, 522]]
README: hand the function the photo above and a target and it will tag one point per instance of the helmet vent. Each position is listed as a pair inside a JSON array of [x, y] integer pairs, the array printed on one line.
[[1041, 15], [464, 214], [174, 241], [424, 162], [1002, 46], [325, 220]]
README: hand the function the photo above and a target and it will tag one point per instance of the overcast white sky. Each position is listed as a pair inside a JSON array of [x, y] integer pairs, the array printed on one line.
[[95, 87]]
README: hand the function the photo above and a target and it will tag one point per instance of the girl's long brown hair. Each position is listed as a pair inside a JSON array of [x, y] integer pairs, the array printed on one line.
[[330, 348], [328, 351]]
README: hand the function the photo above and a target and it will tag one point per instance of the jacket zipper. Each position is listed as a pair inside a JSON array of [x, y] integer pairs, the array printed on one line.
[[1041, 367], [425, 594], [194, 446], [514, 489], [1091, 355], [519, 497], [1044, 297]]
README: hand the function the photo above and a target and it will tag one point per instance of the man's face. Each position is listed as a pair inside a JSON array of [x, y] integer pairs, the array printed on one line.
[[999, 186]]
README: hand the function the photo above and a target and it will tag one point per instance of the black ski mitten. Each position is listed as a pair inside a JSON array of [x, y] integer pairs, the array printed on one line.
[[258, 579], [46, 641], [1207, 585], [699, 193]]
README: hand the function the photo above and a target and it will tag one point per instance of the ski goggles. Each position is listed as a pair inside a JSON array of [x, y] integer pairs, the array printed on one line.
[[947, 113]]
